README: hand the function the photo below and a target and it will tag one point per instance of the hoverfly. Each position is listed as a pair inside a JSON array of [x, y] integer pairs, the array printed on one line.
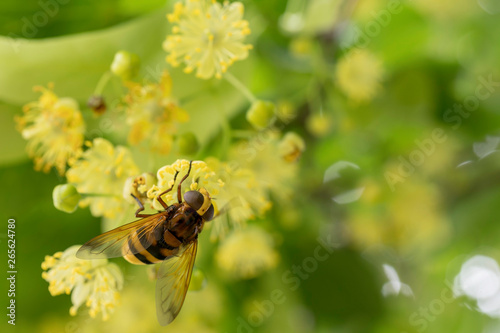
[[169, 237]]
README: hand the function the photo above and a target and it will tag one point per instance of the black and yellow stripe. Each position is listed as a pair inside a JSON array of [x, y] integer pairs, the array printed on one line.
[[152, 247], [149, 249]]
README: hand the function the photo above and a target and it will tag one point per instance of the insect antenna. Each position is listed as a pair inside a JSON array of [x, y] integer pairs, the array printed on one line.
[[160, 200]]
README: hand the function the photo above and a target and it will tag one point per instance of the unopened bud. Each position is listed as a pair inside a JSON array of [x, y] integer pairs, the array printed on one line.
[[125, 65], [187, 144], [66, 198], [286, 111], [261, 114], [318, 125]]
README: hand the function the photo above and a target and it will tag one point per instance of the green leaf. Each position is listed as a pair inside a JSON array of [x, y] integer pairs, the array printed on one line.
[[49, 18], [13, 150], [403, 40], [76, 62]]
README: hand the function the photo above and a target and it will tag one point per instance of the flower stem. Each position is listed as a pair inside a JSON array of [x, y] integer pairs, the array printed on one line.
[[102, 83], [240, 86], [226, 134]]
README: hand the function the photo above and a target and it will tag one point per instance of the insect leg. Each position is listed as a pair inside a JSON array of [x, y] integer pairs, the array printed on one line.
[[170, 189], [179, 197], [141, 207]]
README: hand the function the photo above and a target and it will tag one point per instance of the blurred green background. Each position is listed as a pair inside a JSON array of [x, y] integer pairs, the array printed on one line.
[[357, 185]]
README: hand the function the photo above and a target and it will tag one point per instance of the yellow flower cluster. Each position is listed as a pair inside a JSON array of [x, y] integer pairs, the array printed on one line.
[[200, 176], [247, 253], [101, 174], [291, 147], [95, 283], [208, 36], [153, 114], [234, 191], [242, 195], [270, 159], [54, 129], [359, 74]]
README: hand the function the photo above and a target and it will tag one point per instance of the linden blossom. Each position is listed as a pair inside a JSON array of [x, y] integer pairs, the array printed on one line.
[[54, 128], [95, 284], [209, 36], [359, 74]]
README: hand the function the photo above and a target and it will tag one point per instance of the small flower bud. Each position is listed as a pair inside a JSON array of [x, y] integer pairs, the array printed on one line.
[[261, 114], [125, 65], [97, 104], [286, 111], [318, 125], [198, 280], [66, 198], [187, 144], [291, 147]]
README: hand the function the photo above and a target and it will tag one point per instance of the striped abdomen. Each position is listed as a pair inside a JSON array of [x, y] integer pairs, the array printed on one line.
[[180, 227]]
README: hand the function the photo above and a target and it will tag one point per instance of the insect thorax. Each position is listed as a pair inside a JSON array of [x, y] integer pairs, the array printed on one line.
[[185, 223]]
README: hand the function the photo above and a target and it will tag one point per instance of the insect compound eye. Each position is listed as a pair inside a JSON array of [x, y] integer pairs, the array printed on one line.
[[209, 214], [194, 199]]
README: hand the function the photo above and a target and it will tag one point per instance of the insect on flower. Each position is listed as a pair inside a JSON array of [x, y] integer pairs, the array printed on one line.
[[169, 237]]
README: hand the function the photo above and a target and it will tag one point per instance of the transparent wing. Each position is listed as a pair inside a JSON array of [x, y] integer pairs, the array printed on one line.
[[173, 282], [110, 244]]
